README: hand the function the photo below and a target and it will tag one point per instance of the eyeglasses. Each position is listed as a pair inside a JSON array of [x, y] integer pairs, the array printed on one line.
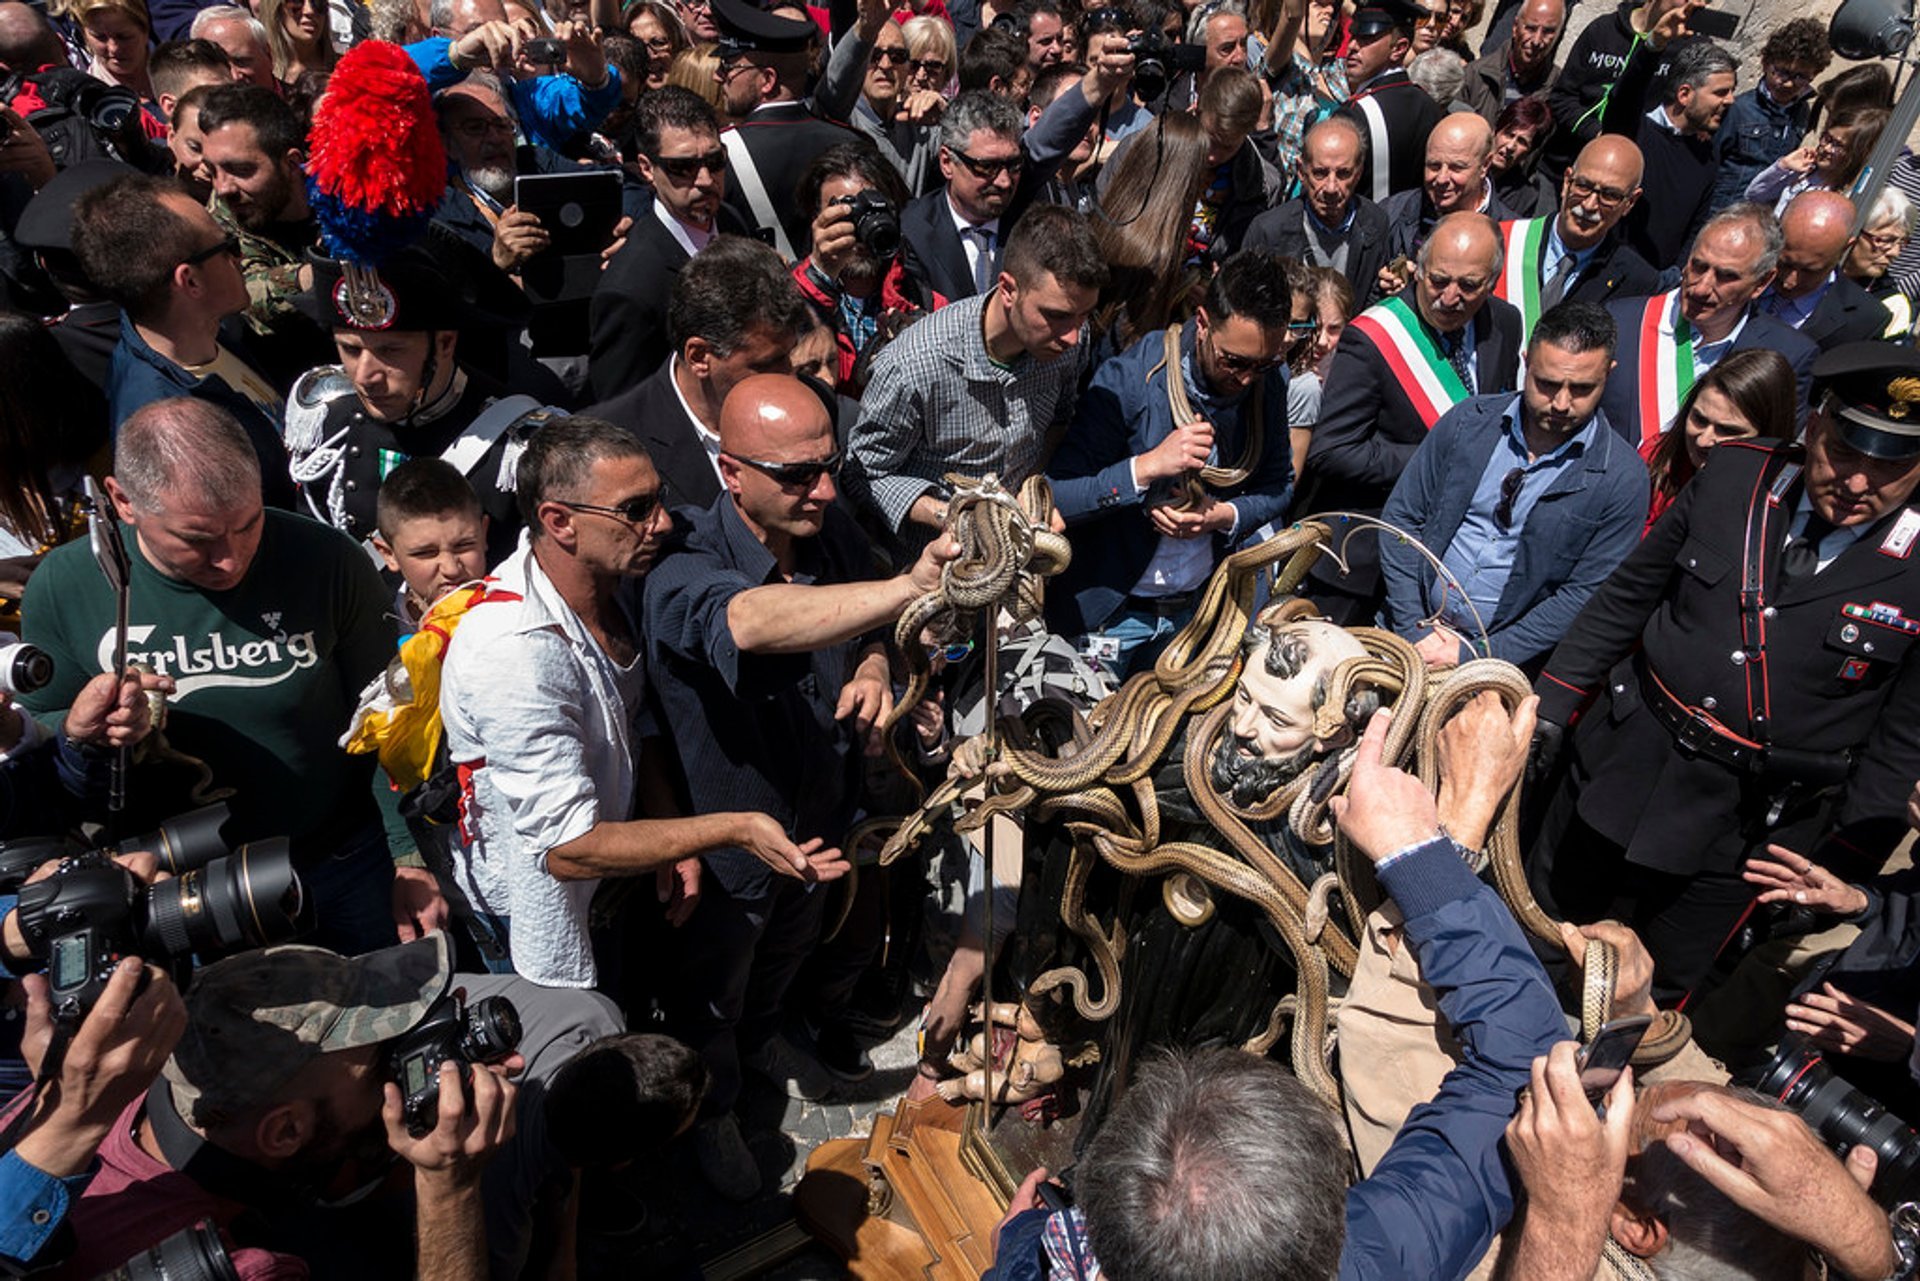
[[793, 475], [1885, 243], [1605, 197], [636, 510], [892, 54], [687, 168], [952, 653], [1509, 490], [1789, 75], [697, 6], [935, 67], [987, 169], [229, 245], [658, 44]]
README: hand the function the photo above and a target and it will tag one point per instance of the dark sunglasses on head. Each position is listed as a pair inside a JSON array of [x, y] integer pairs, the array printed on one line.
[[228, 245], [1509, 490], [633, 510], [1011, 166], [795, 475], [687, 168]]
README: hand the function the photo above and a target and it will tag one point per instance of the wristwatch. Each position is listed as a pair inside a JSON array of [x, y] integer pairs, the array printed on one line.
[[1904, 1223]]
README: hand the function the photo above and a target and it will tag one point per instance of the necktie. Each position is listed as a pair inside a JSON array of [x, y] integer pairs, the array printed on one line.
[[1461, 362], [1802, 558], [1557, 287], [983, 272]]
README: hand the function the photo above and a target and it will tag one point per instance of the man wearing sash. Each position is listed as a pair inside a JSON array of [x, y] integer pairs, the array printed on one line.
[[1755, 675], [1402, 364], [1575, 255], [1146, 536], [1670, 339], [1396, 113], [1455, 179]]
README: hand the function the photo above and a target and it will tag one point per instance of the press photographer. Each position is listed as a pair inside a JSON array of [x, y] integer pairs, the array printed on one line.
[[281, 1097]]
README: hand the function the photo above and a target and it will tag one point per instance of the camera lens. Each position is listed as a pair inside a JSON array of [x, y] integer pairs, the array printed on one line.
[[24, 668], [250, 898], [492, 1030], [184, 842], [1846, 1118], [191, 1254]]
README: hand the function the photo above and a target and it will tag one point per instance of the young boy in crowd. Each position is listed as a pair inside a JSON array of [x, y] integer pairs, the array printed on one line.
[[1768, 120], [432, 533]]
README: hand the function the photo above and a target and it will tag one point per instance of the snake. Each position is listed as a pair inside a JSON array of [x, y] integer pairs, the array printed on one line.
[[1194, 484]]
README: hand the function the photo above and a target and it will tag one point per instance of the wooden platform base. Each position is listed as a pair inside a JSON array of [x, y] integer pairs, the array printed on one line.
[[902, 1205]]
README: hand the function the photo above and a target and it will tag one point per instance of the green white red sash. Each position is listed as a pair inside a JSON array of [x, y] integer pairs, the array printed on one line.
[[1665, 373], [1519, 282], [1424, 374]]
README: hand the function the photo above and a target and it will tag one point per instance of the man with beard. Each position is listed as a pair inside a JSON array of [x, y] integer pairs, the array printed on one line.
[[857, 292], [1402, 364], [1574, 255], [251, 144], [1668, 340], [1528, 500], [1453, 181], [279, 1095], [1676, 138], [478, 129], [1520, 66], [400, 392], [1330, 224], [681, 159]]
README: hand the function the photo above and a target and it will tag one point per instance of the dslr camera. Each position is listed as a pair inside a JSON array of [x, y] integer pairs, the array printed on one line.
[[1157, 60], [452, 1031], [1843, 1117], [92, 912], [876, 224]]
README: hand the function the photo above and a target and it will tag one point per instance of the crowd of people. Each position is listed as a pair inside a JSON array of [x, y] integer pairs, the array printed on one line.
[[528, 561]]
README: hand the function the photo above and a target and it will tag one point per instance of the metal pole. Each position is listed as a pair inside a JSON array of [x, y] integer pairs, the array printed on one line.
[[990, 651], [1893, 140]]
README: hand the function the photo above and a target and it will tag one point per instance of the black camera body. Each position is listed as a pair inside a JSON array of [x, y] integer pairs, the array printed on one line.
[[452, 1031], [546, 51], [876, 223], [1845, 1117], [1157, 60]]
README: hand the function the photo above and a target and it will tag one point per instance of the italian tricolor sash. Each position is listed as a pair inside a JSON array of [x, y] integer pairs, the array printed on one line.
[[1520, 274], [1666, 364], [1431, 383]]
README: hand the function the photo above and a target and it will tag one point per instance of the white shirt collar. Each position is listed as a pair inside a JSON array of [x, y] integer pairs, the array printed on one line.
[[961, 225], [709, 441], [690, 238]]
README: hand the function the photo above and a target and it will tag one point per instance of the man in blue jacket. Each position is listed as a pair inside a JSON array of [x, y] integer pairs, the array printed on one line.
[[1126, 475], [1527, 499]]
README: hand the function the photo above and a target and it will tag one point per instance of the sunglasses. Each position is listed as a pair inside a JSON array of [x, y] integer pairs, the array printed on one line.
[[634, 511], [952, 653], [794, 475], [986, 169], [687, 168], [934, 67], [229, 245], [1509, 490], [894, 56]]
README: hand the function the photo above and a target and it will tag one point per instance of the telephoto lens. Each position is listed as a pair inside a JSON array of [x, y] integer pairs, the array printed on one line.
[[24, 668], [191, 1254], [1845, 1118], [250, 898]]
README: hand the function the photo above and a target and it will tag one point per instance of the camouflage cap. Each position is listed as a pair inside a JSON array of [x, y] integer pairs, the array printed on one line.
[[254, 1021]]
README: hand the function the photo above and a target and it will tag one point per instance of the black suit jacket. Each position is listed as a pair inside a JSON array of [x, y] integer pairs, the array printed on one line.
[[783, 138], [1616, 270], [927, 225], [1410, 218], [1837, 682], [1283, 230], [651, 410], [1847, 313], [1410, 116], [1369, 428], [628, 313]]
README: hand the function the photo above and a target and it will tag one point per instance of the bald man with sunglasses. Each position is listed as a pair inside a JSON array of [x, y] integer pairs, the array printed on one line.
[[766, 651]]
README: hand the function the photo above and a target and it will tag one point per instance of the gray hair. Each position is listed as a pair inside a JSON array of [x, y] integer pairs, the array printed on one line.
[[560, 457], [1214, 1164], [185, 447], [1499, 246], [1206, 13], [1694, 64], [1441, 72], [440, 14], [1892, 205], [228, 13], [1346, 124], [978, 109], [1758, 220]]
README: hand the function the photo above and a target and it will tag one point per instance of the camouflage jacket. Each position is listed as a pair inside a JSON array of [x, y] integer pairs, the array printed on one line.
[[272, 271]]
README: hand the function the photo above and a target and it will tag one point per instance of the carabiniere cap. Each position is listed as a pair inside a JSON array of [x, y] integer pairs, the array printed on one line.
[[1871, 391], [746, 28], [1378, 16]]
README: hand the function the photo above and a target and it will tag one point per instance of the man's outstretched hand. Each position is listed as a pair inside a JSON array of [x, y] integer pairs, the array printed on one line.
[[1384, 809]]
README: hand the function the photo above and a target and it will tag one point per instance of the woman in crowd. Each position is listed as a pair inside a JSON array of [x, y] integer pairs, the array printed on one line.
[[657, 27], [1865, 84], [931, 58], [1831, 164], [1520, 133], [1146, 210], [300, 33], [1889, 225], [1749, 393], [693, 69], [119, 37], [53, 435]]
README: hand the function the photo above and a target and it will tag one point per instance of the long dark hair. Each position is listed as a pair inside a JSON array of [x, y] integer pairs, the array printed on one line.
[[1142, 226], [50, 417], [1760, 384]]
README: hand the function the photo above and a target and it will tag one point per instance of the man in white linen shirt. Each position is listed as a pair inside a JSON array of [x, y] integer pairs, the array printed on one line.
[[537, 694]]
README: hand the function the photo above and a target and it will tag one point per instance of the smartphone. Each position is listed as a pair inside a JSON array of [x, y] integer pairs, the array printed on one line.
[[1715, 23], [546, 51], [1605, 1057]]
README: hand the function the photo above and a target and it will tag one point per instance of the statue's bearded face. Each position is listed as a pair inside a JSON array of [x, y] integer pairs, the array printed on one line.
[[1269, 735]]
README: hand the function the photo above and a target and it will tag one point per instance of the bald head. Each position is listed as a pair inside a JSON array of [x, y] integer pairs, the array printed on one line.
[[775, 417], [1817, 228], [1458, 265], [27, 43], [1458, 150], [778, 459], [1536, 30], [1600, 186]]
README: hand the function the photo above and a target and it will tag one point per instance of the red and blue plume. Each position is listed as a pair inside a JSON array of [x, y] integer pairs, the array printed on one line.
[[376, 166]]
